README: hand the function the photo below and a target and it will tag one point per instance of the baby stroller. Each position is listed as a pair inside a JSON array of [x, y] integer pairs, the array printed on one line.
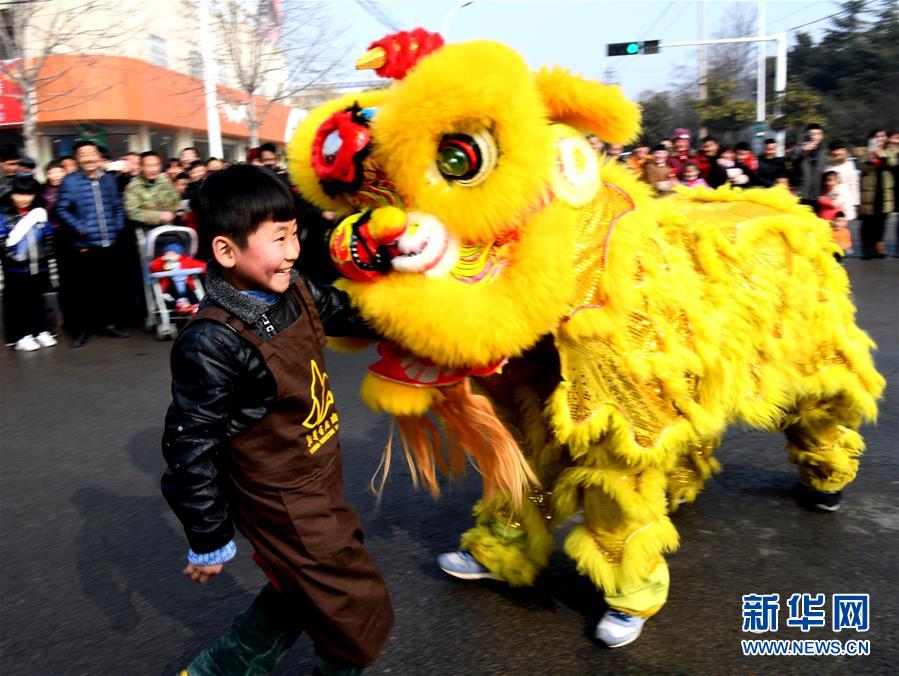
[[172, 285]]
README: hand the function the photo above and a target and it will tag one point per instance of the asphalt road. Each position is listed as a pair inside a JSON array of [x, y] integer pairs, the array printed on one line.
[[90, 556]]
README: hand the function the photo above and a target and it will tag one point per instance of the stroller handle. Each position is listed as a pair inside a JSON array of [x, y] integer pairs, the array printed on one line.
[[177, 273]]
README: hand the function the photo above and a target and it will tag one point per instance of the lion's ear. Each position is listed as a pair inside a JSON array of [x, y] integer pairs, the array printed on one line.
[[588, 106]]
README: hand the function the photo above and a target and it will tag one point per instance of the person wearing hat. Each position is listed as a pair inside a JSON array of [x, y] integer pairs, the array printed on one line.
[[681, 153], [658, 171]]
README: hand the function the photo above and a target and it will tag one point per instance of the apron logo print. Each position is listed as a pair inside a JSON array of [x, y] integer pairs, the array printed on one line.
[[322, 427]]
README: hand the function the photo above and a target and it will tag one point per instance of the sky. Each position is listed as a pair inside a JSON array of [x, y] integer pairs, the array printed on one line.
[[574, 33]]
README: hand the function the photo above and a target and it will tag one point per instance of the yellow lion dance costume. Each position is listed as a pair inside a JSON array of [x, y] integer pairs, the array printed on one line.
[[612, 336]]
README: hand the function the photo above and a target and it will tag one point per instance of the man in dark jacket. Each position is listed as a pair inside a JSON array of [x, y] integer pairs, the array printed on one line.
[[707, 161], [809, 159], [770, 165], [90, 208]]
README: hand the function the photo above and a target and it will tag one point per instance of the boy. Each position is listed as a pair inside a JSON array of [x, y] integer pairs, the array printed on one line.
[[251, 441]]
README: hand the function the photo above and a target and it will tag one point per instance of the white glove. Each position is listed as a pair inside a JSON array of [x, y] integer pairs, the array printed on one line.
[[27, 222]]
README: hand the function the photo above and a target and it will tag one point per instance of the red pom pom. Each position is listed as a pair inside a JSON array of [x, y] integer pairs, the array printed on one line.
[[404, 49]]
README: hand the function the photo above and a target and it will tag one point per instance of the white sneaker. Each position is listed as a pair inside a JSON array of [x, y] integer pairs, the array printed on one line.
[[464, 566], [617, 628], [27, 344], [46, 339]]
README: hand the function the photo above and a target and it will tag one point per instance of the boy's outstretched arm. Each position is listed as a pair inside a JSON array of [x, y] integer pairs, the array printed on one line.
[[204, 372], [339, 318]]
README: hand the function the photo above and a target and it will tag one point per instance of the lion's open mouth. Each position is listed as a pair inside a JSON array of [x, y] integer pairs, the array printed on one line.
[[426, 247]]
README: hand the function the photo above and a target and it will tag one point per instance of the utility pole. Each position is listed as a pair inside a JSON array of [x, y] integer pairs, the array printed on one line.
[[780, 86], [760, 116], [213, 126], [703, 65], [780, 81]]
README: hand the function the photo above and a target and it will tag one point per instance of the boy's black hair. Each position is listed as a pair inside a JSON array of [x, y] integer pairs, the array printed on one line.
[[837, 145], [659, 146], [234, 201], [211, 159], [83, 143], [182, 175], [826, 174], [53, 164], [706, 139], [195, 164], [813, 125], [769, 141], [9, 152], [24, 185], [269, 147], [149, 153], [190, 148], [172, 161], [63, 158], [742, 145]]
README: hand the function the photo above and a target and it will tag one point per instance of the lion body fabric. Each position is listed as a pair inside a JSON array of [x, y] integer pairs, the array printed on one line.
[[689, 314], [480, 226]]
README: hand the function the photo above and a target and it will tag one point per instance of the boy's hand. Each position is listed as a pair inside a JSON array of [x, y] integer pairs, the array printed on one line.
[[202, 574]]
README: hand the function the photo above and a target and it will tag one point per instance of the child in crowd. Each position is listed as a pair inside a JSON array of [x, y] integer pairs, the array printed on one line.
[[842, 236], [178, 291], [738, 174], [834, 197], [783, 180], [657, 171], [251, 441], [25, 236], [691, 177]]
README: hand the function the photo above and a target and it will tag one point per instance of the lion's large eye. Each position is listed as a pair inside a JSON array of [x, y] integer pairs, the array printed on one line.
[[464, 159]]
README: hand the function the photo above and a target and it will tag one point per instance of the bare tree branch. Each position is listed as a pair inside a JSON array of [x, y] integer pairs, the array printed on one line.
[[276, 52]]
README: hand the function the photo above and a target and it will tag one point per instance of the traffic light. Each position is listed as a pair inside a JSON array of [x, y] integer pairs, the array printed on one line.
[[631, 48]]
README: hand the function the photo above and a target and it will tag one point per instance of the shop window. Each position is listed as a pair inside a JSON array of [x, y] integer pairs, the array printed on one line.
[[163, 142]]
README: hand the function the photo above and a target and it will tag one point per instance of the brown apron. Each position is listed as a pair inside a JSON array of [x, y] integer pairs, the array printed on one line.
[[285, 483]]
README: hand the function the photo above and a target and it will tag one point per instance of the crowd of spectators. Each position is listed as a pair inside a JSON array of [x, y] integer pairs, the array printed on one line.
[[854, 189], [77, 233]]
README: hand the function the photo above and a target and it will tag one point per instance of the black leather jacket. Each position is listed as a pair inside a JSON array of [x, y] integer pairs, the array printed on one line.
[[220, 387]]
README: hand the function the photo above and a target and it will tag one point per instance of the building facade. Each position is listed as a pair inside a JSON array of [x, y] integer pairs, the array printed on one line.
[[129, 74]]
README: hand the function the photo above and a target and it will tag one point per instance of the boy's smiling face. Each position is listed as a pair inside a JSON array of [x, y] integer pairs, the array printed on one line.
[[265, 262]]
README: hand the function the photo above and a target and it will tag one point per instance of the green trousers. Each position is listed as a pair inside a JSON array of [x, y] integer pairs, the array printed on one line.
[[257, 640]]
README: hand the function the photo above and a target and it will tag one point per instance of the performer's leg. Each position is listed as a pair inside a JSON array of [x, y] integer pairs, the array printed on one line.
[[692, 470], [825, 450], [514, 545], [257, 640], [625, 533]]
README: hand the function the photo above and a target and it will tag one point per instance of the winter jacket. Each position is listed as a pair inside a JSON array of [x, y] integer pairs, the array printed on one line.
[[221, 387], [713, 173], [146, 200], [849, 182], [877, 186], [91, 209], [660, 178], [769, 169], [24, 250], [679, 162], [808, 167]]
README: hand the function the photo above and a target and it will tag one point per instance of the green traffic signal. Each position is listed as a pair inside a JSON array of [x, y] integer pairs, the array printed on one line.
[[632, 48]]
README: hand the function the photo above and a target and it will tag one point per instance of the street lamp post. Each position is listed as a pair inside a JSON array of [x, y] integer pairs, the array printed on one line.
[[213, 126]]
